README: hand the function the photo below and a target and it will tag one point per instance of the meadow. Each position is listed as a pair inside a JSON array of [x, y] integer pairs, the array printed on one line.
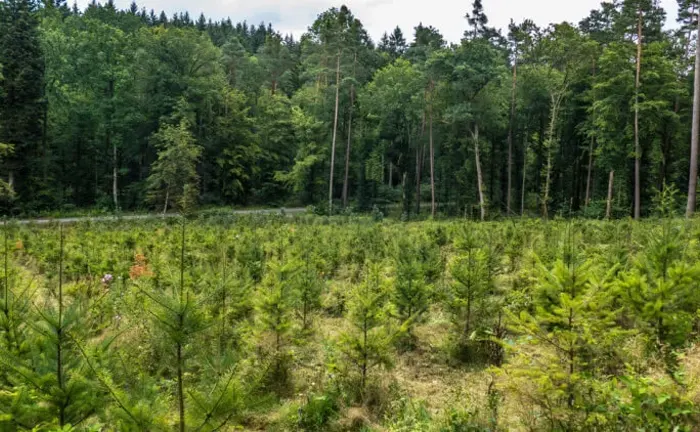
[[307, 323]]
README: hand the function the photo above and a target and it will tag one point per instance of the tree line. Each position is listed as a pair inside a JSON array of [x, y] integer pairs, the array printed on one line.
[[126, 109]]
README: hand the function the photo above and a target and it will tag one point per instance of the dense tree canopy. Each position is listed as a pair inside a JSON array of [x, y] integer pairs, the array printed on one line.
[[567, 119]]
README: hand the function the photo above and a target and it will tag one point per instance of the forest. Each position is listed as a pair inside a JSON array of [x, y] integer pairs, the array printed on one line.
[[133, 110], [483, 236]]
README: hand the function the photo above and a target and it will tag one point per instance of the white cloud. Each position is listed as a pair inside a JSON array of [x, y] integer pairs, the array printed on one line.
[[378, 16]]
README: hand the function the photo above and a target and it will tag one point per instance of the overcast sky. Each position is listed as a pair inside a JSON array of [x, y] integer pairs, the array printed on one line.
[[378, 16]]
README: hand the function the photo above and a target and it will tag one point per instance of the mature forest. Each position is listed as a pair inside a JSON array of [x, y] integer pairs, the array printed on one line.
[[131, 109]]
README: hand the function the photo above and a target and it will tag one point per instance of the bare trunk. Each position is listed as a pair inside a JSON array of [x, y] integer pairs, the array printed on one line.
[[522, 190], [335, 133], [391, 174], [510, 137], [637, 147], [693, 180], [432, 163], [347, 153], [479, 177], [404, 195], [167, 198], [591, 147], [44, 138], [611, 181], [113, 145], [556, 102], [419, 158], [589, 177], [347, 149], [115, 178]]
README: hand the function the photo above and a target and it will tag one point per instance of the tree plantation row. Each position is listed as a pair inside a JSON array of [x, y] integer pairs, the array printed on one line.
[[126, 109], [310, 324]]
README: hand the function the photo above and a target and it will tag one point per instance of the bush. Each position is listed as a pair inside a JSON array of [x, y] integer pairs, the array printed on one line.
[[317, 412]]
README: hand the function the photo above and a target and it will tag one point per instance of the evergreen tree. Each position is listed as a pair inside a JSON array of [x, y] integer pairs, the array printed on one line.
[[276, 311], [411, 293], [22, 105], [174, 177], [366, 344]]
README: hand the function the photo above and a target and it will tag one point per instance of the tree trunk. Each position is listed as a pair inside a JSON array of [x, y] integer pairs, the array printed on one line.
[[59, 335], [608, 209], [113, 146], [432, 162], [510, 137], [404, 203], [181, 318], [45, 138], [347, 152], [419, 159], [167, 197], [115, 177], [591, 147], [693, 180], [480, 180], [556, 102], [637, 148], [589, 177], [335, 133], [180, 389], [347, 149], [522, 190]]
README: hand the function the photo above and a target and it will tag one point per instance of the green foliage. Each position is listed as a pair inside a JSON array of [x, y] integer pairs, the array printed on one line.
[[276, 313], [484, 126], [174, 176], [302, 322], [647, 403], [471, 283], [411, 294], [318, 411], [366, 343]]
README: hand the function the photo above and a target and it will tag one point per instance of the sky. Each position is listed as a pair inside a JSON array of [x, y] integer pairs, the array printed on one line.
[[379, 16]]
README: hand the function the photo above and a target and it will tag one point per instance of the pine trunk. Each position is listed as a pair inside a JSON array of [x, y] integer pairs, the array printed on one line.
[[556, 102], [335, 134], [591, 147], [113, 146], [637, 147], [589, 177], [522, 190], [419, 159], [432, 163], [611, 181], [479, 176], [115, 177], [693, 180], [347, 152], [347, 149], [167, 198], [510, 136]]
